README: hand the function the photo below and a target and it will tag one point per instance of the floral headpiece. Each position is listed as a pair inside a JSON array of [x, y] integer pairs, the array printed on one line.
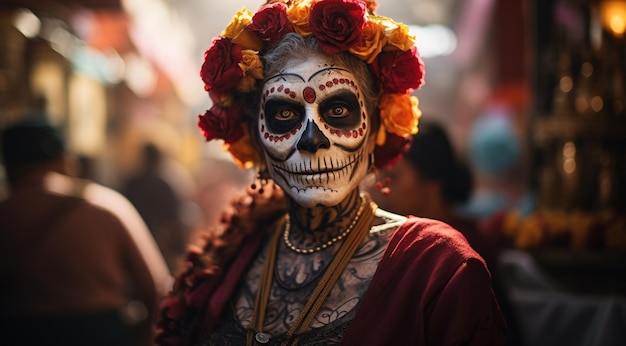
[[232, 67]]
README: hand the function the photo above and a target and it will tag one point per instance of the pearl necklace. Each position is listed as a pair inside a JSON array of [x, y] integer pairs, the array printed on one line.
[[328, 243]]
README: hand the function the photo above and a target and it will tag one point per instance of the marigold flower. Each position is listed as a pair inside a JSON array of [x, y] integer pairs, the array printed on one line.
[[252, 68], [243, 152], [398, 36], [298, 15], [373, 40], [400, 113], [237, 32]]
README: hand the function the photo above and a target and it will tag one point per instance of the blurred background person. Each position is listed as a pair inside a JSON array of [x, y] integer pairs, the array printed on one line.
[[496, 156], [432, 181], [160, 203], [79, 265]]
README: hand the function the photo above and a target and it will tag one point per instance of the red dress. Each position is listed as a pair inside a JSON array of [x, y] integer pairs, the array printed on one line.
[[430, 288]]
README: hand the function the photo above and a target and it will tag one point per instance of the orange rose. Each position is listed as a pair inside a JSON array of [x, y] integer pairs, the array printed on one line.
[[243, 153], [400, 113], [252, 68], [298, 15], [237, 33], [398, 36], [372, 41]]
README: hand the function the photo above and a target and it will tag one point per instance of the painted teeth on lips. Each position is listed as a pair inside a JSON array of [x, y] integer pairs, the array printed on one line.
[[308, 171]]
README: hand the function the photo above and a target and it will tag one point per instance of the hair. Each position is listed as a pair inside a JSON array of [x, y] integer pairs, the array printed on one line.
[[296, 47], [431, 152], [29, 143]]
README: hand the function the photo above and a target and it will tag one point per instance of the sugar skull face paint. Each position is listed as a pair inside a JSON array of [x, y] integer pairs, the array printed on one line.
[[314, 128]]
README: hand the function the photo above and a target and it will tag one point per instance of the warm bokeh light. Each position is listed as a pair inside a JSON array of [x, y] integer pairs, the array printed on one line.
[[27, 23], [613, 16], [434, 40], [569, 158]]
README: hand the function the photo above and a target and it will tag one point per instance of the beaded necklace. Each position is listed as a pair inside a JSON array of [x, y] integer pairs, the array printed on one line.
[[328, 243]]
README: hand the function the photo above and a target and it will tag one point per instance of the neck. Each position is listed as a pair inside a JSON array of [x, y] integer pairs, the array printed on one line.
[[313, 226]]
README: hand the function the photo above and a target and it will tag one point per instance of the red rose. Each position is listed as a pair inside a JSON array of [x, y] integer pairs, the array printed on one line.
[[399, 71], [337, 24], [390, 153], [222, 123], [220, 70], [271, 22]]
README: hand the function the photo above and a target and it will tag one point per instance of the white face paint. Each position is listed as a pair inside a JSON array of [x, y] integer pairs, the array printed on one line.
[[314, 128]]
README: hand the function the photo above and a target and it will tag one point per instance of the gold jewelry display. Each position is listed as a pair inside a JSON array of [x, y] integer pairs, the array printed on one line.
[[328, 243], [255, 333]]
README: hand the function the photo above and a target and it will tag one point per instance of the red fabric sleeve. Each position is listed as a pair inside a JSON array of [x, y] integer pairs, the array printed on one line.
[[466, 312], [431, 288]]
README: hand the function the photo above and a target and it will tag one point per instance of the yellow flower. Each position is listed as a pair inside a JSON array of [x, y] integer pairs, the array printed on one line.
[[252, 68], [397, 34], [243, 153], [372, 41], [400, 113], [237, 33], [298, 15]]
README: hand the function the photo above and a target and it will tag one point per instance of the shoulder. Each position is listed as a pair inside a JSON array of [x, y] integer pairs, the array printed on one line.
[[422, 239], [103, 200], [108, 200]]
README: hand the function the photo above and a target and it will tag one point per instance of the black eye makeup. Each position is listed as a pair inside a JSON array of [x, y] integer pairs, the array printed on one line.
[[282, 115], [341, 110]]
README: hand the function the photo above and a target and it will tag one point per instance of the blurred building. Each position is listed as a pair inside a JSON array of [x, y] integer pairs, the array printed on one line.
[[105, 80]]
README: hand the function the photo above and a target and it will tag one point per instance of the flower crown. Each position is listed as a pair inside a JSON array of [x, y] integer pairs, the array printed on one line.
[[232, 66]]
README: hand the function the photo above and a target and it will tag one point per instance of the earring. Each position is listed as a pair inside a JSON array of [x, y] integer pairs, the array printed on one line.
[[382, 185]]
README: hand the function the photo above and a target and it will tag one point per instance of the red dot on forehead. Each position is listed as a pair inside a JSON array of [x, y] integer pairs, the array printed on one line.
[[309, 94]]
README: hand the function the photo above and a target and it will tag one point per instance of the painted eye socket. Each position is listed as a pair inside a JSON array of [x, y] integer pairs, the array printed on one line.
[[341, 111], [282, 116]]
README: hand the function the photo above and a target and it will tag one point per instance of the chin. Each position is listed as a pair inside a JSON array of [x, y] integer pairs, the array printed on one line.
[[311, 197]]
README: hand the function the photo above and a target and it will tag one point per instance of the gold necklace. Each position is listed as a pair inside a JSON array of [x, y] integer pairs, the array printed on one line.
[[328, 243]]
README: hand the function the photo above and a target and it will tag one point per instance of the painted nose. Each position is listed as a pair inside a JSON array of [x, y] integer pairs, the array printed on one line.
[[313, 139]]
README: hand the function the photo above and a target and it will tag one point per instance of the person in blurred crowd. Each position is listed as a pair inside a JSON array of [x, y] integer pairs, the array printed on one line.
[[159, 204], [432, 181], [317, 96], [79, 266], [496, 155]]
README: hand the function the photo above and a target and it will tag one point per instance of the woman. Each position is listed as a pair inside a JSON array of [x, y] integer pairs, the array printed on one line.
[[330, 94]]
